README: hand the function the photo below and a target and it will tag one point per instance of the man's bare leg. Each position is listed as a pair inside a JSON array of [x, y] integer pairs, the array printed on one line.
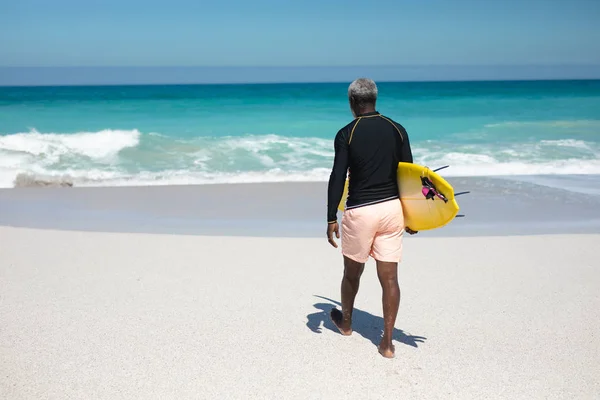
[[388, 277], [350, 283]]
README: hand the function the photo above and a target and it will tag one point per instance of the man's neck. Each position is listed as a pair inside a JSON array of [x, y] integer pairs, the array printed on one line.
[[366, 110]]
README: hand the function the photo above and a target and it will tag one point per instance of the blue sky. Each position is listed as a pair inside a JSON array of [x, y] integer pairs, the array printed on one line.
[[308, 32], [300, 33]]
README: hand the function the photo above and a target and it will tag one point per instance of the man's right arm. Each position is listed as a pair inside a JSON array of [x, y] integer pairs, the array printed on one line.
[[405, 150], [406, 156]]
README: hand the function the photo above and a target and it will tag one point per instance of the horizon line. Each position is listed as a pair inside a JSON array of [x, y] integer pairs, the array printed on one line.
[[58, 76], [306, 66], [379, 81]]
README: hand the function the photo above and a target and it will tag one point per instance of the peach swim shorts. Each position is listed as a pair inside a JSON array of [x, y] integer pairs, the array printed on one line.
[[374, 230]]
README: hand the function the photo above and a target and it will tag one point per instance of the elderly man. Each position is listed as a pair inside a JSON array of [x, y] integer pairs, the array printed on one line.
[[369, 148]]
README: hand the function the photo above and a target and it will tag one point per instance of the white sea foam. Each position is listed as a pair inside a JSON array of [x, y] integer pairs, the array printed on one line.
[[562, 167], [579, 144], [98, 159], [183, 177], [95, 145], [177, 177], [547, 124]]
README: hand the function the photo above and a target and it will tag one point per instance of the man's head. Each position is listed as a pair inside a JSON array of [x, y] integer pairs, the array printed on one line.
[[362, 94]]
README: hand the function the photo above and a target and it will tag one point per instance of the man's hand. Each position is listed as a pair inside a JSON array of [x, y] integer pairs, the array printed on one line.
[[410, 231], [331, 229]]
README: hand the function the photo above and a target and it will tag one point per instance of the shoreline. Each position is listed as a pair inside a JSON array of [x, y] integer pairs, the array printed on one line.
[[496, 206], [444, 174]]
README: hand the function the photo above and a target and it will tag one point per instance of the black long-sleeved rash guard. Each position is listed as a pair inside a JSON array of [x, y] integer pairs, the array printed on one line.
[[369, 149]]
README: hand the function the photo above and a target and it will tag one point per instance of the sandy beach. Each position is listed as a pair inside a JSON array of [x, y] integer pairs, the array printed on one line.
[[91, 315], [223, 291]]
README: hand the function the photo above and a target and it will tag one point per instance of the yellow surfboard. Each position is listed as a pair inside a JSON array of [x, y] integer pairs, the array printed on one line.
[[427, 199]]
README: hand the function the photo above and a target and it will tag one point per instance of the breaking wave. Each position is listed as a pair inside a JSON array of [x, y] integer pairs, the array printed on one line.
[[130, 157]]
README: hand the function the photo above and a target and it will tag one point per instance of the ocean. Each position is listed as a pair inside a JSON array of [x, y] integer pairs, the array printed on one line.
[[200, 134]]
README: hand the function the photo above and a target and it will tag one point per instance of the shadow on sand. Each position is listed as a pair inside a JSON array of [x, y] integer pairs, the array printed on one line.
[[365, 324]]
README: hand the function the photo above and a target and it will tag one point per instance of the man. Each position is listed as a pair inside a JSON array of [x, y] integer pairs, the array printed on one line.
[[369, 148]]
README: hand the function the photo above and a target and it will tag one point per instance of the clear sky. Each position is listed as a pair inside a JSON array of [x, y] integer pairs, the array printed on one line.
[[298, 33]]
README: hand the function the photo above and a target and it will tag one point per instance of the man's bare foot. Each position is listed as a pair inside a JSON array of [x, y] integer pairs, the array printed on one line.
[[338, 319], [387, 350]]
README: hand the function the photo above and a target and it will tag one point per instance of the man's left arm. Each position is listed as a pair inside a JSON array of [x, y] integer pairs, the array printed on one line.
[[337, 178], [335, 188]]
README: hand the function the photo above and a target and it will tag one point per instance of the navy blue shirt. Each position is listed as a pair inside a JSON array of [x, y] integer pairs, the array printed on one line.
[[369, 149]]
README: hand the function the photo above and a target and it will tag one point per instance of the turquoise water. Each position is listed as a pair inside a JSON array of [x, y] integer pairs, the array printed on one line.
[[116, 135]]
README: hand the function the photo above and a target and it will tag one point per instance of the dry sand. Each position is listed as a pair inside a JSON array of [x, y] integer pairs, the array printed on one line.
[[138, 316]]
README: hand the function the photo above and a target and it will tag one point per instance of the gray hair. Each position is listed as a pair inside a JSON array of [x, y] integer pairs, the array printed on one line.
[[363, 90]]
